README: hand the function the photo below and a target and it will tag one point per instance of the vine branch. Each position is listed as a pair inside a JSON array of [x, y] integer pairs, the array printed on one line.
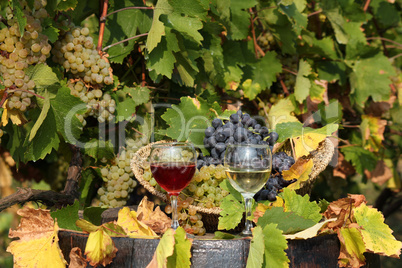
[[102, 22], [125, 40]]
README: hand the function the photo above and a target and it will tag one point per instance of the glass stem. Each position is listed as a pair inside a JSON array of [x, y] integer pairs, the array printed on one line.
[[248, 223], [175, 219]]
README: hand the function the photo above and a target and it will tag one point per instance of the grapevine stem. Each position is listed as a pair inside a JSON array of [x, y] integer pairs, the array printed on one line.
[[385, 39], [102, 21], [285, 89], [366, 5], [127, 8], [253, 33], [30, 92], [396, 56], [125, 40], [315, 13], [289, 71]]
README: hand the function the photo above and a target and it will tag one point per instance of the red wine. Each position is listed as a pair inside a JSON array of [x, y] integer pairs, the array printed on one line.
[[173, 177]]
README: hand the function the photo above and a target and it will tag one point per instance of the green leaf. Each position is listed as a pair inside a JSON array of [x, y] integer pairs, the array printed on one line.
[[302, 86], [186, 68], [42, 75], [20, 16], [41, 118], [157, 29], [332, 71], [361, 159], [94, 214], [281, 112], [295, 129], [264, 73], [370, 77], [45, 140], [225, 185], [288, 222], [223, 235], [299, 20], [65, 107], [386, 13], [16, 142], [185, 25], [99, 149], [301, 205], [161, 59], [377, 236], [189, 8], [189, 119], [231, 214], [65, 5], [181, 254], [275, 245], [332, 10], [67, 216], [49, 30], [257, 248]]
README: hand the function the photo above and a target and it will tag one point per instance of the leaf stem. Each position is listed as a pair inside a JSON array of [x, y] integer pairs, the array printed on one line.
[[125, 40], [315, 13], [366, 5], [385, 39], [289, 71], [30, 92], [102, 21], [127, 8], [253, 33]]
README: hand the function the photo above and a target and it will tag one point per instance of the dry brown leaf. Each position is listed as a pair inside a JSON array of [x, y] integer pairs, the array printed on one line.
[[157, 220], [381, 173], [334, 208], [343, 169], [145, 209], [76, 259]]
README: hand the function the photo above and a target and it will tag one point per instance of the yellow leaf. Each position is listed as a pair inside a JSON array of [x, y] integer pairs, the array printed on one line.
[[145, 209], [372, 129], [281, 112], [261, 208], [38, 244], [352, 248], [377, 236], [16, 116], [164, 250], [100, 248], [309, 232], [300, 171], [133, 227], [306, 143]]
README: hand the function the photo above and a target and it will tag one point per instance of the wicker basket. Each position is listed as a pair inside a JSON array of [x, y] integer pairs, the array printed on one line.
[[321, 158]]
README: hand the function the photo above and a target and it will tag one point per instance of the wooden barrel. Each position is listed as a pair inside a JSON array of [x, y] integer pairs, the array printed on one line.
[[321, 251]]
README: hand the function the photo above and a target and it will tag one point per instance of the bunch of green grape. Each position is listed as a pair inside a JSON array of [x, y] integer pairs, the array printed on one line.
[[99, 104], [266, 41], [19, 50], [76, 52], [118, 181]]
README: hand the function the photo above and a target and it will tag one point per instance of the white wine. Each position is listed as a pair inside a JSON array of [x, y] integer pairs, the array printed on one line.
[[248, 181]]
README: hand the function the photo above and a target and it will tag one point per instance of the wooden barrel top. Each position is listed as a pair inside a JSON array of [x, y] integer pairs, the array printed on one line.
[[321, 251]]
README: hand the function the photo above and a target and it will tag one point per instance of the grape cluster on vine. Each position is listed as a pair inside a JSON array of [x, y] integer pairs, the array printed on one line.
[[19, 50]]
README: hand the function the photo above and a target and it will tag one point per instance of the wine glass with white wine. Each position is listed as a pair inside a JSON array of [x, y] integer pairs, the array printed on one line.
[[248, 167]]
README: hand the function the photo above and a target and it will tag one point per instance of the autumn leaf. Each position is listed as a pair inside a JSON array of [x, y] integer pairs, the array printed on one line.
[[352, 248], [38, 242], [16, 116], [164, 250], [130, 223], [377, 236], [281, 112], [372, 129], [156, 219], [343, 168], [381, 173], [307, 143], [335, 207], [100, 248], [300, 171], [76, 259], [261, 208]]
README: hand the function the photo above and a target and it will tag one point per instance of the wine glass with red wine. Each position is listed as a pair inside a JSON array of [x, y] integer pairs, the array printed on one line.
[[173, 165]]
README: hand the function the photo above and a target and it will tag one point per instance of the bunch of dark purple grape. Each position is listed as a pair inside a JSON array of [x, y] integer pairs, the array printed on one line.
[[239, 129], [280, 162]]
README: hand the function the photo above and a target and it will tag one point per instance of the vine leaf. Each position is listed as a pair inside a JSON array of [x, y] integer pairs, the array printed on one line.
[[275, 245], [300, 171], [66, 5], [377, 236], [309, 232], [41, 118], [21, 19], [301, 205], [352, 247], [281, 112], [134, 227], [42, 75], [16, 116], [369, 78], [38, 242], [76, 258], [100, 248], [158, 221], [303, 84], [288, 222], [231, 214], [164, 250], [157, 29], [182, 250], [67, 216], [372, 129], [296, 129], [257, 247], [361, 159]]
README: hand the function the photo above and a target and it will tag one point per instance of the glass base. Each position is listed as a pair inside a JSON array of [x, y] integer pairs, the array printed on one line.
[[246, 233]]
